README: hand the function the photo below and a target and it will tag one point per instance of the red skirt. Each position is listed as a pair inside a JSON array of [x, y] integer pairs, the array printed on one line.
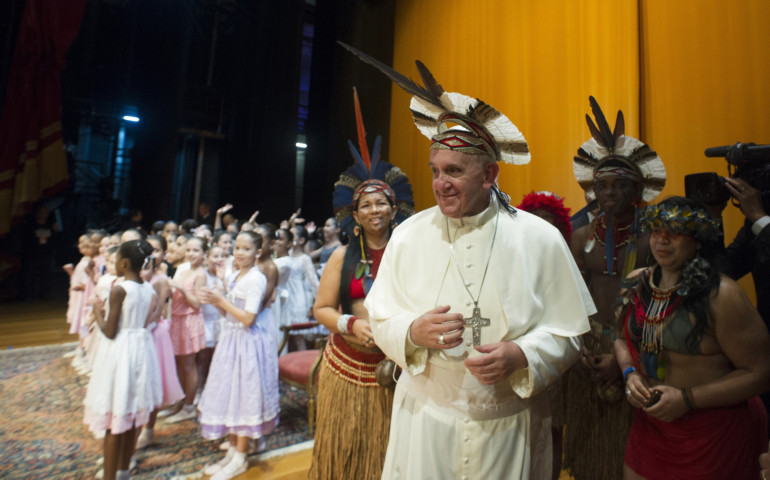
[[708, 444]]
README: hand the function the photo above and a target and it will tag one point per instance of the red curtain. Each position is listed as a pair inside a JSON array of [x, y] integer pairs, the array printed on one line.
[[33, 163]]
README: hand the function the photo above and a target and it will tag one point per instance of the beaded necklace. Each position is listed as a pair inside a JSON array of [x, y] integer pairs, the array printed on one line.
[[622, 231], [651, 315], [620, 236]]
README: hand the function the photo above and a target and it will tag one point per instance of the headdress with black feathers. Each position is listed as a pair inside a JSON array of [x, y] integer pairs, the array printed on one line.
[[607, 144], [458, 122], [612, 152]]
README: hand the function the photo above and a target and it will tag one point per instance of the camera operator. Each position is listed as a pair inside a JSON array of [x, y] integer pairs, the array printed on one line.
[[749, 252]]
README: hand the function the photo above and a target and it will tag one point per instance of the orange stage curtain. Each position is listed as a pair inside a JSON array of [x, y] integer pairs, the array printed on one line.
[[537, 62], [688, 75]]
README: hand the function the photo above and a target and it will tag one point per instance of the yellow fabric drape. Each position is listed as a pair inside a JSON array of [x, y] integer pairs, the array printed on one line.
[[706, 82], [688, 75], [537, 62]]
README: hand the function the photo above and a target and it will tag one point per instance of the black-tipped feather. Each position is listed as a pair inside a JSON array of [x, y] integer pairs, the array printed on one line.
[[594, 131], [608, 139], [402, 81], [620, 125], [430, 82]]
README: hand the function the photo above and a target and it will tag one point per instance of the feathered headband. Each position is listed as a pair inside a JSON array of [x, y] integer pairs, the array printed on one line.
[[613, 152], [369, 174], [484, 129], [688, 220], [552, 204]]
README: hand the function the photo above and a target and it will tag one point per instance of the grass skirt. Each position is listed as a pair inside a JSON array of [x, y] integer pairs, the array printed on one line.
[[353, 425], [596, 430]]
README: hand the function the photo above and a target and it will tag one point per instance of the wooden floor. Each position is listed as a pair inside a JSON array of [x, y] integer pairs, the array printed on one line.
[[43, 323]]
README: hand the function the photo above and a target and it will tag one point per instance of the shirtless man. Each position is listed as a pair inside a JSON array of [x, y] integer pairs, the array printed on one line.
[[620, 172]]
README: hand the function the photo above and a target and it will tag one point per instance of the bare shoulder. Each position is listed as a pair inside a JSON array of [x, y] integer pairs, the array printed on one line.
[[635, 273], [338, 255], [200, 276], [117, 292], [581, 235], [729, 295], [269, 268]]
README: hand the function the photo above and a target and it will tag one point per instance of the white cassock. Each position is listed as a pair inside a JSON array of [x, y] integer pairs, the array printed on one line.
[[446, 424]]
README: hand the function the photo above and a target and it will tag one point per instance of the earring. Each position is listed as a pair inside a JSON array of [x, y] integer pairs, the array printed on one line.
[[357, 230]]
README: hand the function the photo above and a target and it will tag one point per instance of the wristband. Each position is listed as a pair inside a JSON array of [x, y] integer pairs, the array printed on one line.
[[627, 371], [345, 323], [688, 399]]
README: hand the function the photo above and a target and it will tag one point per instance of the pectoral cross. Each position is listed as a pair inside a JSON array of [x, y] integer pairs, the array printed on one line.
[[476, 322]]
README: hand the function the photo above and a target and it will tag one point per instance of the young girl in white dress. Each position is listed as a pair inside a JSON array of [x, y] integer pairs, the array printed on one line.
[[241, 398], [297, 286], [212, 319], [125, 386]]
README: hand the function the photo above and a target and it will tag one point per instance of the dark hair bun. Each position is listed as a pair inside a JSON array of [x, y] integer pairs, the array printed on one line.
[[145, 247]]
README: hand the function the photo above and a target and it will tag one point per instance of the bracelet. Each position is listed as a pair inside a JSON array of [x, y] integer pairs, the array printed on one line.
[[628, 371], [345, 323], [688, 398]]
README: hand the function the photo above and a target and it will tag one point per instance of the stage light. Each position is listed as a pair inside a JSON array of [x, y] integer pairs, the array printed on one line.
[[130, 118], [301, 145]]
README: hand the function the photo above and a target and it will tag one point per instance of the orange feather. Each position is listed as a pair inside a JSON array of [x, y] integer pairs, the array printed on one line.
[[361, 133]]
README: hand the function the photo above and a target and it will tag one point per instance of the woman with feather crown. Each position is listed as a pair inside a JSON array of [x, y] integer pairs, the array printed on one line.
[[355, 394]]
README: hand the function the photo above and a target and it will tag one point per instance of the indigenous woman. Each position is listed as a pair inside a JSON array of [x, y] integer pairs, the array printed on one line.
[[550, 207], [353, 408], [694, 354]]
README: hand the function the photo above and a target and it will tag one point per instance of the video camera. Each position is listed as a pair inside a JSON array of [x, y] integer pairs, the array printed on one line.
[[747, 161]]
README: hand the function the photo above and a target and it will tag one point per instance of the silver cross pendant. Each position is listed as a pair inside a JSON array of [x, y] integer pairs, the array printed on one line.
[[476, 322]]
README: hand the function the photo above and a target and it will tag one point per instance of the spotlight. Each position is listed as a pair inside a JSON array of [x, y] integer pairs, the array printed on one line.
[[301, 145], [130, 118]]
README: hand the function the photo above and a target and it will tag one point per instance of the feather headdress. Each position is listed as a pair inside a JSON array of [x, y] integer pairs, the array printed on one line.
[[607, 144], [484, 129], [551, 203], [369, 170]]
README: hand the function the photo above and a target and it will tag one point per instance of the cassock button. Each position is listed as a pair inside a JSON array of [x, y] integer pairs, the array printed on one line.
[[466, 460], [468, 247], [466, 438], [468, 284], [465, 477], [468, 343], [468, 303], [467, 420], [467, 265]]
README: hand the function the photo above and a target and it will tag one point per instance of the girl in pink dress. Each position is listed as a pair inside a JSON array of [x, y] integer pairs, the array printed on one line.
[[172, 389], [101, 242], [187, 327], [81, 287]]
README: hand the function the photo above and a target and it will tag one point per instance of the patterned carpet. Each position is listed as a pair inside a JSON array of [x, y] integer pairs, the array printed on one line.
[[42, 435]]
